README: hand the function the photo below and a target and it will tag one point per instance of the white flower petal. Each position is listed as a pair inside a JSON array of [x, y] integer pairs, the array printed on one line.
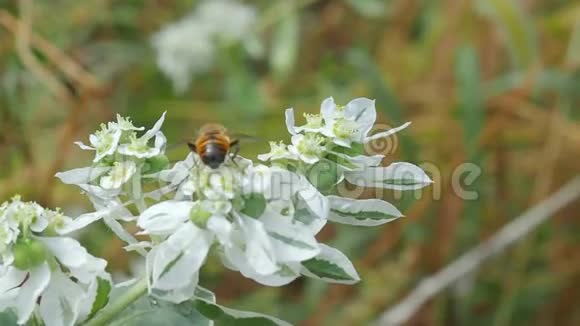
[[363, 111], [290, 124], [221, 227], [153, 131], [165, 217], [386, 133], [180, 294], [81, 175], [80, 222], [328, 109], [92, 267], [139, 245], [83, 146], [178, 257], [68, 251], [29, 292], [293, 242], [259, 252], [121, 233], [60, 303], [11, 278]]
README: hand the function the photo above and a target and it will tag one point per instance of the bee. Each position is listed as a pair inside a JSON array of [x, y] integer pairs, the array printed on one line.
[[214, 145]]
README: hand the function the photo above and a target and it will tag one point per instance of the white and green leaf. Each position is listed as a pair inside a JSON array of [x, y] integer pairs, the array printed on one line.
[[363, 212], [330, 265], [397, 176]]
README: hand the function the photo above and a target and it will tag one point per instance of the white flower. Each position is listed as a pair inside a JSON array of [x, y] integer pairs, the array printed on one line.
[[314, 122], [139, 147], [350, 123], [247, 210], [125, 124], [309, 148], [240, 18], [34, 268], [118, 175], [278, 151], [104, 141], [186, 48]]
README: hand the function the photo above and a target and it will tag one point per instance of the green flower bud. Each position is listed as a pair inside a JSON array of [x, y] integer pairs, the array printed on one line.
[[323, 175], [28, 253], [155, 164], [254, 205], [199, 215]]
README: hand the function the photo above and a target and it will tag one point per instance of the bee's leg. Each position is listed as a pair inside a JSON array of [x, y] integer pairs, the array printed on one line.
[[192, 147], [234, 150]]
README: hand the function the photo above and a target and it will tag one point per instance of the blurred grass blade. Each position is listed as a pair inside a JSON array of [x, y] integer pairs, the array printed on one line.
[[517, 29], [285, 44], [386, 100], [369, 8], [471, 105]]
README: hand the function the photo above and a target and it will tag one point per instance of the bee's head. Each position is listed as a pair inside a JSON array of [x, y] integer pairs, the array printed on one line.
[[213, 160]]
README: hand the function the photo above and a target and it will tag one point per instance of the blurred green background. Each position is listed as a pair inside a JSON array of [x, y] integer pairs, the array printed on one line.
[[495, 83]]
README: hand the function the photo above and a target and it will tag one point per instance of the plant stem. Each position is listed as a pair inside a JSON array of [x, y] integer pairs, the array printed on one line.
[[111, 311]]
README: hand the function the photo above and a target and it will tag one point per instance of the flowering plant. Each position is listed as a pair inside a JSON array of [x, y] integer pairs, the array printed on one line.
[[259, 218]]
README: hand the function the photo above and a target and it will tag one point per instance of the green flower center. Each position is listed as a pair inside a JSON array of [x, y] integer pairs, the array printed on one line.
[[313, 120], [344, 128], [138, 145], [311, 144]]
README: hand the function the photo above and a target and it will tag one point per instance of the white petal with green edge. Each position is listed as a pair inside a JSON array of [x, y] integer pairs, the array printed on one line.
[[330, 265], [60, 302], [29, 292], [293, 242], [179, 257], [181, 294], [205, 304], [259, 252], [397, 176], [165, 217], [364, 212]]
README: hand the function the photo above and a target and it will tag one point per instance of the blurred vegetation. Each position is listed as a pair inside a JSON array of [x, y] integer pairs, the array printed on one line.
[[495, 83]]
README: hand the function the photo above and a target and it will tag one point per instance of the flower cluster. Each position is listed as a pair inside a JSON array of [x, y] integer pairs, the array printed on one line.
[[43, 272], [259, 218], [188, 47]]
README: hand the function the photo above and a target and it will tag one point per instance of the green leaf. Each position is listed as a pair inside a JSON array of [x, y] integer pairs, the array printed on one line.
[[471, 99], [517, 26], [102, 298], [228, 316], [146, 312], [8, 318]]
